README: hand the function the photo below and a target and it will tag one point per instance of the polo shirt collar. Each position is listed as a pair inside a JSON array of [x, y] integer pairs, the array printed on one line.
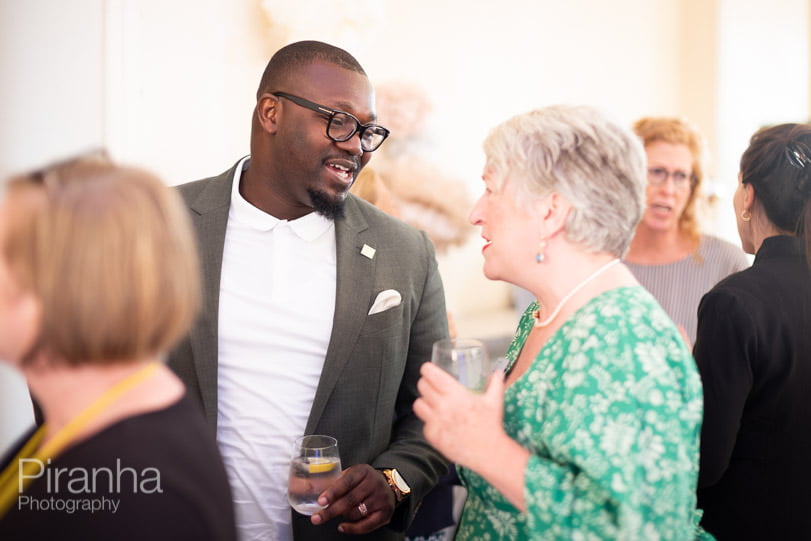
[[309, 227]]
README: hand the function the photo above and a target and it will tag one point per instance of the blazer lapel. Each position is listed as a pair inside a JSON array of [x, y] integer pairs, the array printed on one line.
[[352, 300], [210, 217]]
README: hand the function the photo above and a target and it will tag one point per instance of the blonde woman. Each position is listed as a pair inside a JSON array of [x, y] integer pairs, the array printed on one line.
[[98, 278], [668, 254]]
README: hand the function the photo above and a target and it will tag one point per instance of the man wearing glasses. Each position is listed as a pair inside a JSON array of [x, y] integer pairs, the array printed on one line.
[[319, 310]]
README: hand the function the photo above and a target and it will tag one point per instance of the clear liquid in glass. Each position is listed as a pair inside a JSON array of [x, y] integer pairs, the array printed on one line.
[[309, 477]]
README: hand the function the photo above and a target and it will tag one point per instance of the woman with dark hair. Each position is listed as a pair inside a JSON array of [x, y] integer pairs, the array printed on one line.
[[753, 351]]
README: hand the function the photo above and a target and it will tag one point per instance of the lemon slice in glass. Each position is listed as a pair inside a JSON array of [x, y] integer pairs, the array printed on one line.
[[320, 465]]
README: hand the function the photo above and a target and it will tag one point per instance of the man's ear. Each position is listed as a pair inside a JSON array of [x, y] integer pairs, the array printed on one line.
[[267, 111]]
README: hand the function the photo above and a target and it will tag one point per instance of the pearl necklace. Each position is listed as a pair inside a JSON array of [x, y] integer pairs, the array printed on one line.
[[536, 315]]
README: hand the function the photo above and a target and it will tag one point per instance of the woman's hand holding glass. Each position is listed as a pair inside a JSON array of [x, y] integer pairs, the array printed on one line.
[[468, 428], [459, 423], [465, 359]]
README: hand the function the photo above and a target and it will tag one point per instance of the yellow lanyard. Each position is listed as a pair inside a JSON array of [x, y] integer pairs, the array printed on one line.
[[12, 483]]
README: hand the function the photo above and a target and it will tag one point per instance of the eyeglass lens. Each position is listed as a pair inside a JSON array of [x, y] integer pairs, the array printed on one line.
[[342, 127], [659, 175]]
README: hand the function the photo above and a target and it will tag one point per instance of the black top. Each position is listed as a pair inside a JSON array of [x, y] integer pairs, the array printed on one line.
[[158, 476], [753, 351]]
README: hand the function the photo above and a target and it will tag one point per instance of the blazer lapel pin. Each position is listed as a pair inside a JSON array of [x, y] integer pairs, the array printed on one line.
[[368, 251]]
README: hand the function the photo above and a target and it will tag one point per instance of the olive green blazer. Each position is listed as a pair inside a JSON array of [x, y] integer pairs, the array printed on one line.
[[368, 385]]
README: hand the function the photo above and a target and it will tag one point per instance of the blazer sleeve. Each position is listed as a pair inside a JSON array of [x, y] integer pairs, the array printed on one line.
[[414, 458], [723, 352]]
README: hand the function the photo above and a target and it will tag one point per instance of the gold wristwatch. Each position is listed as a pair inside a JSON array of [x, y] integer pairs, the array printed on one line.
[[397, 484]]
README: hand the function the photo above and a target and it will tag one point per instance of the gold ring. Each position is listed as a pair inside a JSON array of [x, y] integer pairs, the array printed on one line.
[[363, 509]]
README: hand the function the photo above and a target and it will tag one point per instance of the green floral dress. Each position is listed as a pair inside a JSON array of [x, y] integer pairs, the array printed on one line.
[[611, 412]]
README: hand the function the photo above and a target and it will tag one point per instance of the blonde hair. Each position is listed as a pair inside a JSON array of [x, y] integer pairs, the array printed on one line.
[[678, 131], [109, 253]]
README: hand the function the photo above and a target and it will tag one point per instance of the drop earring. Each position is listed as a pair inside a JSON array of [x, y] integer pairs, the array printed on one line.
[[541, 255]]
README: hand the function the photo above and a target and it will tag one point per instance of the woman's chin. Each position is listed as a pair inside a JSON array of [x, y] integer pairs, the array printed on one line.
[[660, 223], [491, 274]]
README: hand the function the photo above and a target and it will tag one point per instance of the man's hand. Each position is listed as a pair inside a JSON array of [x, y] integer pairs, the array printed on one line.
[[360, 488]]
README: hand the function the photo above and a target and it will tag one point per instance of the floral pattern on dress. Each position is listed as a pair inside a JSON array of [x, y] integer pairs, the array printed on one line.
[[610, 411]]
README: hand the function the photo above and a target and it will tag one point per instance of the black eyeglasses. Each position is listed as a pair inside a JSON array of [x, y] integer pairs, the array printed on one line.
[[342, 125], [681, 180]]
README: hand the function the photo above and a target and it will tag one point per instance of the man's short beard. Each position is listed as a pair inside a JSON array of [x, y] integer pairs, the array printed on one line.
[[331, 208]]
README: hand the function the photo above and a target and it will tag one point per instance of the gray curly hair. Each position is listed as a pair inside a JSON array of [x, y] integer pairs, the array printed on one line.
[[598, 165]]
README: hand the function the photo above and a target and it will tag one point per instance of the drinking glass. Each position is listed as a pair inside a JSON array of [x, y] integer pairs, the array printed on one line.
[[465, 359], [314, 466]]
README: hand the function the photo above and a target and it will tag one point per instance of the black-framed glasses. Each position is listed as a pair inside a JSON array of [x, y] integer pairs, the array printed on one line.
[[342, 125], [657, 176]]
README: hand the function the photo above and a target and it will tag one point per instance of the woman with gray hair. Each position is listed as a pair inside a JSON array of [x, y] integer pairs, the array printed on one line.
[[593, 431]]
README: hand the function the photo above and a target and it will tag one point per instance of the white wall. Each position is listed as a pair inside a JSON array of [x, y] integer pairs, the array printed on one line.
[[763, 78], [182, 77], [480, 66], [51, 91], [51, 80], [170, 84]]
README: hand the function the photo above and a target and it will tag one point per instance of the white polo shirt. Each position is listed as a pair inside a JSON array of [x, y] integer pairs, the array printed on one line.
[[277, 299]]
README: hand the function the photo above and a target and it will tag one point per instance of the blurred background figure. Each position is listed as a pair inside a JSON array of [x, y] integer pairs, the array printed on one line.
[[98, 278], [424, 196], [370, 186], [596, 435], [669, 255], [753, 350]]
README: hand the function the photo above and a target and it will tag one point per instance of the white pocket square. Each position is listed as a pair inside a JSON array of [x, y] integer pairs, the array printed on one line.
[[385, 300]]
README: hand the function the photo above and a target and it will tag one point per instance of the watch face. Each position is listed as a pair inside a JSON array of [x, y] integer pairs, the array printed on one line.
[[399, 481]]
